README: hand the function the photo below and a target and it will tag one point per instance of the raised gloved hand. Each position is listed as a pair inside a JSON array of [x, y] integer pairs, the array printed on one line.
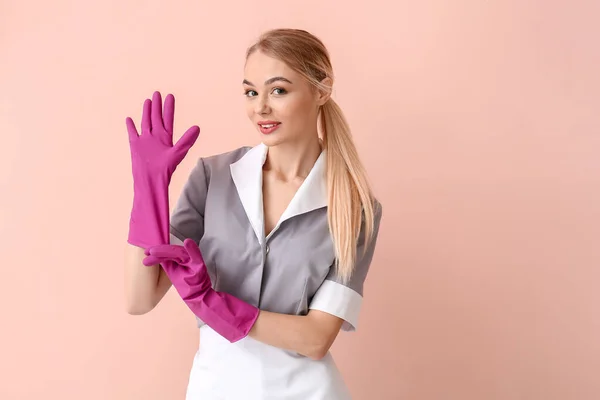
[[153, 160], [229, 316]]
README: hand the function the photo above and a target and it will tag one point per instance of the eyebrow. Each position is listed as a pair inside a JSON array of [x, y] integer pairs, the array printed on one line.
[[268, 81]]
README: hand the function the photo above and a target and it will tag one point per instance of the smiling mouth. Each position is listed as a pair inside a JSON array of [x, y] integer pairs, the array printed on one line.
[[267, 126]]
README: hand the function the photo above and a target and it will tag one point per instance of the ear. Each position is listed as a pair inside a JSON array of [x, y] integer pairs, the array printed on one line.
[[324, 95]]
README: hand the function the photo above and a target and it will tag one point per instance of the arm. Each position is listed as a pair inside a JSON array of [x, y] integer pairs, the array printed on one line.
[[154, 158], [335, 306], [145, 286], [310, 335]]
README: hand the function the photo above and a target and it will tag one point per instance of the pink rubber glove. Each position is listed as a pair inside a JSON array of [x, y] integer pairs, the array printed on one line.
[[153, 161], [229, 316]]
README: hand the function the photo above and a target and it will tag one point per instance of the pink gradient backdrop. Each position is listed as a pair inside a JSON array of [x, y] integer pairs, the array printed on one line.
[[477, 120]]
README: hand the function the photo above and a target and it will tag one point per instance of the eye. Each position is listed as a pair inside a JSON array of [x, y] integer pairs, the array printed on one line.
[[248, 92], [281, 90]]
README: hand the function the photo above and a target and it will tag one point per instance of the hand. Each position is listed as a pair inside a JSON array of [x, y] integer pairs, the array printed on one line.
[[153, 161], [153, 152], [229, 316], [183, 264]]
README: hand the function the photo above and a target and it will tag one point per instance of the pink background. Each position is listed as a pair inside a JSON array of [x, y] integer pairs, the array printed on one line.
[[477, 120]]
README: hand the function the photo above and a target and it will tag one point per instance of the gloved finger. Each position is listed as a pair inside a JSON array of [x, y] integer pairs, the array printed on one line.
[[185, 143], [169, 251], [146, 123], [163, 247], [131, 129], [154, 260], [151, 260], [193, 250], [169, 114], [156, 118]]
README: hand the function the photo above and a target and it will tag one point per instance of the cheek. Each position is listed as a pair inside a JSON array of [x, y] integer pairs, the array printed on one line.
[[293, 110]]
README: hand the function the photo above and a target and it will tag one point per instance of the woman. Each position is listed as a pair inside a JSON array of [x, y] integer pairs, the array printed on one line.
[[270, 245]]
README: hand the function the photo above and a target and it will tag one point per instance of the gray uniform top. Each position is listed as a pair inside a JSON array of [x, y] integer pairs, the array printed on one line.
[[289, 271]]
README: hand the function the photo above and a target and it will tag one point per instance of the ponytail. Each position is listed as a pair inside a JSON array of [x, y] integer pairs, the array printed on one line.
[[351, 203]]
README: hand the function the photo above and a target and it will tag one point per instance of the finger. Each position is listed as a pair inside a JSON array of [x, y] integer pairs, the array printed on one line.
[[169, 253], [131, 129], [178, 253], [165, 262], [150, 249], [156, 110], [150, 261], [169, 113], [164, 248], [146, 125], [193, 250], [185, 143]]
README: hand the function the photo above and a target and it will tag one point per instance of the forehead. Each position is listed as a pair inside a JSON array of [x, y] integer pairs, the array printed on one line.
[[260, 67]]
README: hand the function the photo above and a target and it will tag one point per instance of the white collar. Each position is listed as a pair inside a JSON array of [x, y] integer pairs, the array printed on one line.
[[247, 177]]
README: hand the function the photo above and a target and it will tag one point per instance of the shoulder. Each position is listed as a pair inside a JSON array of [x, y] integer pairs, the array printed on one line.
[[377, 211], [377, 207], [226, 158], [222, 161]]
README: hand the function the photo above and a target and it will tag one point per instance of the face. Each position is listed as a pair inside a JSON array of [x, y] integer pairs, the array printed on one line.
[[281, 104]]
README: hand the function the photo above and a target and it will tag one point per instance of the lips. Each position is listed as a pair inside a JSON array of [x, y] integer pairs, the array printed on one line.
[[268, 124], [267, 127]]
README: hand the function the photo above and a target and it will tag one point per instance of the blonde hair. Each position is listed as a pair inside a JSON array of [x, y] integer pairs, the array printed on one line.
[[350, 199]]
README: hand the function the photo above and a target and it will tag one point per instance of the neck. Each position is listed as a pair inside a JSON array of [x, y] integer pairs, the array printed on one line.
[[293, 160]]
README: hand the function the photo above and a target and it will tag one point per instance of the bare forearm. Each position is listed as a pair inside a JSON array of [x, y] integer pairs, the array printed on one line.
[[310, 335], [144, 286]]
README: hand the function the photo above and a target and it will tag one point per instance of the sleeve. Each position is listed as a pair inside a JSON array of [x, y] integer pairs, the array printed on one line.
[[344, 300], [187, 218]]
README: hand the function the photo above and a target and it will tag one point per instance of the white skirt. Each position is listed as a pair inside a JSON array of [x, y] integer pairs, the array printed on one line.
[[252, 370]]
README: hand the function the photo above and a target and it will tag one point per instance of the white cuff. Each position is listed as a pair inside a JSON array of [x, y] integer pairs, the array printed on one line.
[[339, 300]]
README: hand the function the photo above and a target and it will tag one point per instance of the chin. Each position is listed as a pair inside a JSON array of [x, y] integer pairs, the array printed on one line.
[[271, 140]]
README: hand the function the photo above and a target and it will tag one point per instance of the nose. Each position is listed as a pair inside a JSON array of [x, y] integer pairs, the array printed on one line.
[[262, 105]]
